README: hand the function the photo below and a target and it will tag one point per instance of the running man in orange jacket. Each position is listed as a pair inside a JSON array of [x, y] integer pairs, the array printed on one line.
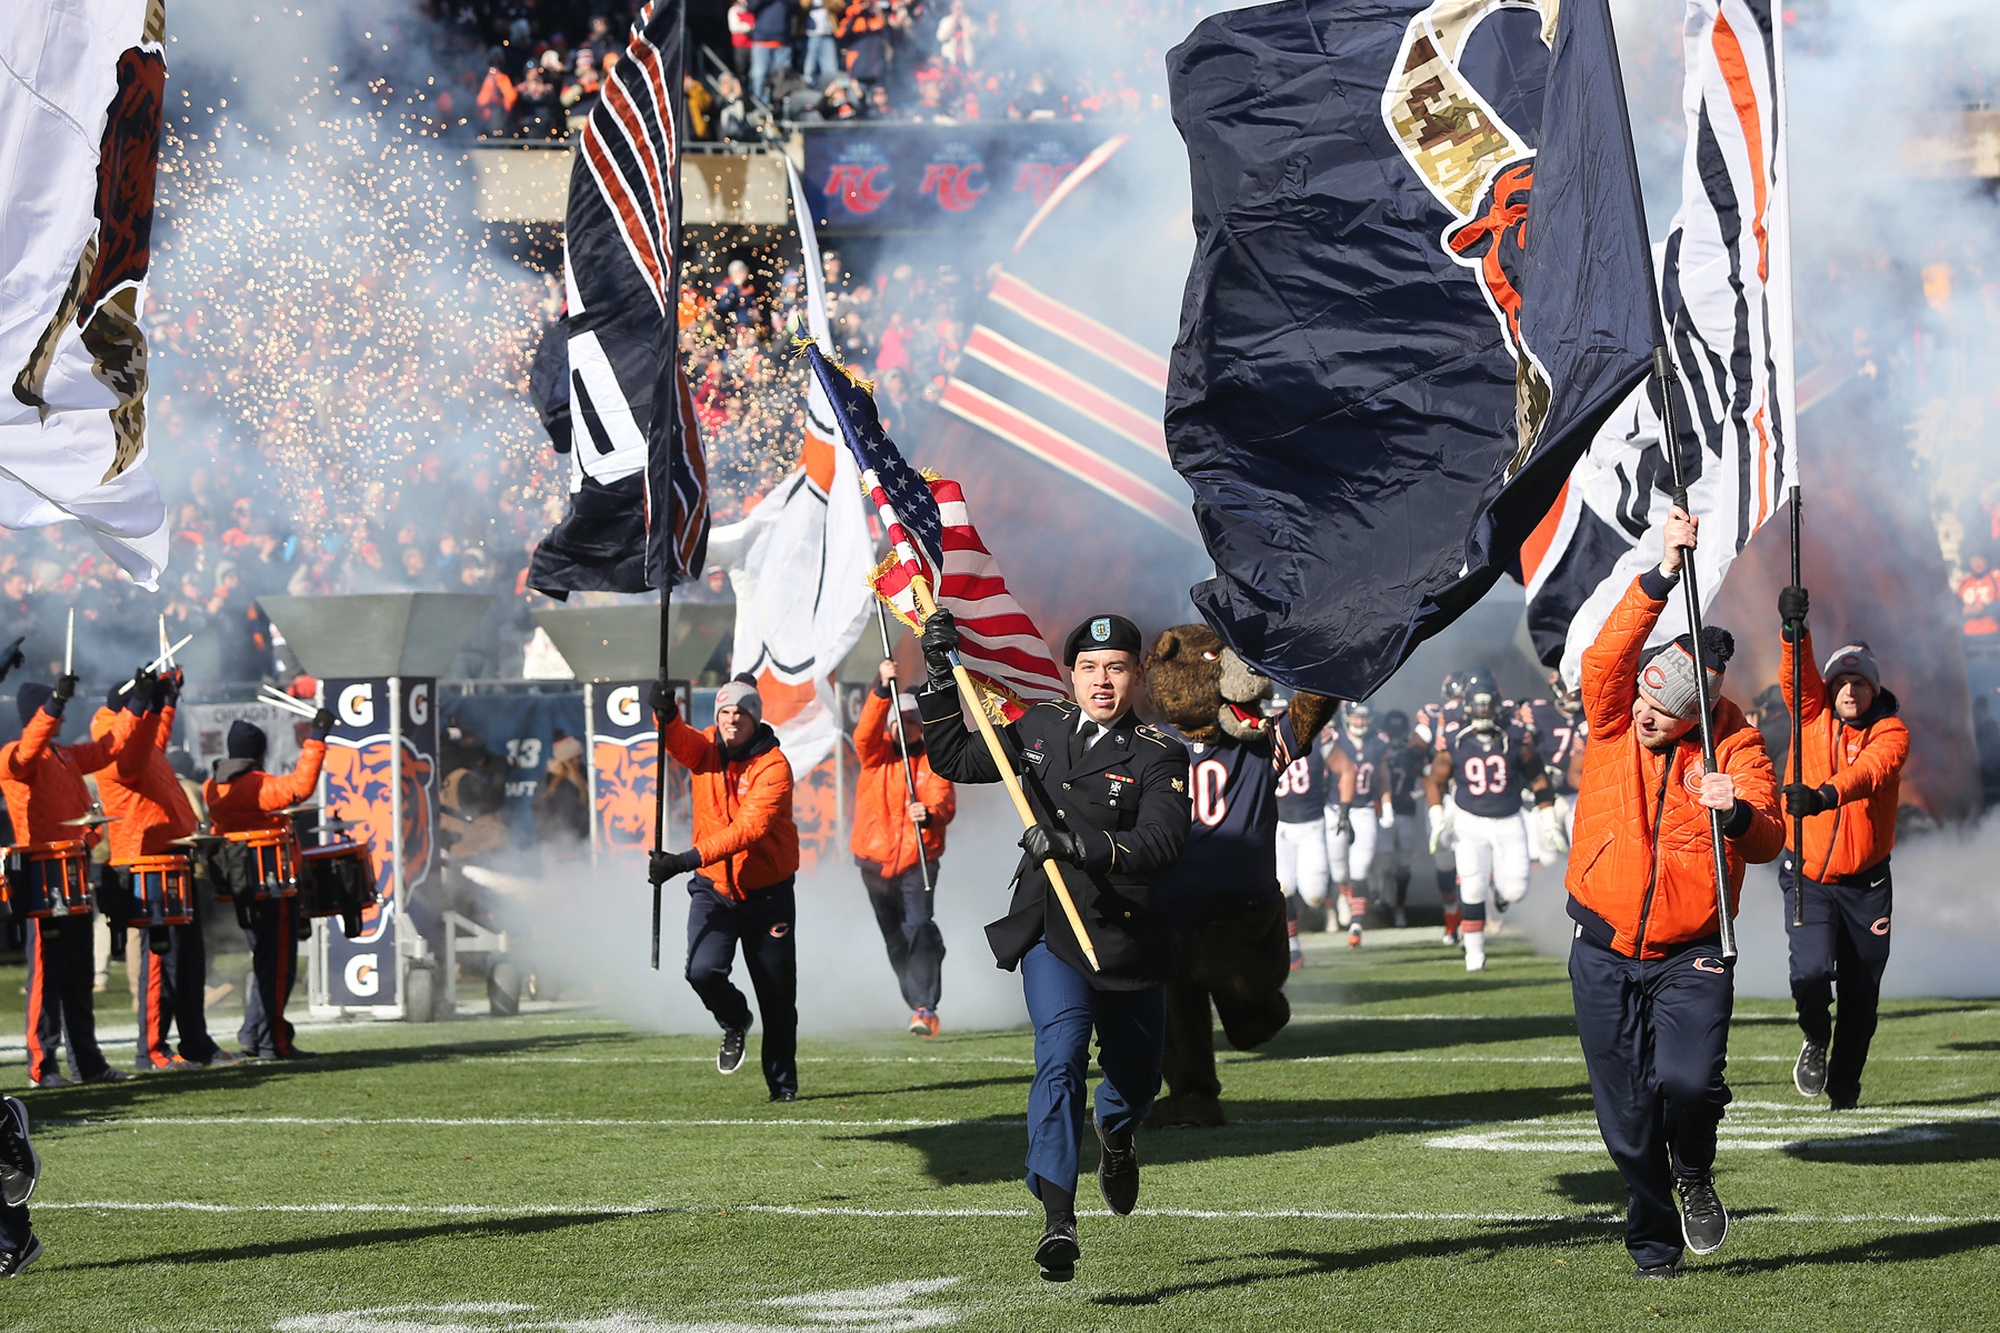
[[1854, 748], [890, 832], [242, 798], [1653, 992], [43, 784], [152, 812], [746, 850]]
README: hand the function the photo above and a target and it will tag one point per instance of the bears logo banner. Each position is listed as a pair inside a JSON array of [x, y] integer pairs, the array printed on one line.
[[1420, 285]]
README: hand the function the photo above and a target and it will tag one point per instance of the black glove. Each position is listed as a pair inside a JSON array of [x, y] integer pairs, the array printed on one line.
[[1802, 801], [322, 723], [666, 705], [145, 690], [1344, 825], [169, 692], [940, 642], [663, 866], [1793, 605], [1046, 844], [65, 691]]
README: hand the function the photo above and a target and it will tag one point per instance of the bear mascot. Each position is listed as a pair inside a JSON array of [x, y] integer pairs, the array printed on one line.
[[1223, 900]]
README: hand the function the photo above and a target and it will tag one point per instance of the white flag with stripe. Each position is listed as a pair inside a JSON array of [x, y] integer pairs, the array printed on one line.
[[1726, 293]]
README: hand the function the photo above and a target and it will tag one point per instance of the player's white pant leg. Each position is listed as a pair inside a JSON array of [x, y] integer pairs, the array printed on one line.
[[1509, 843], [1566, 810], [1531, 833], [1302, 860], [1472, 841], [1338, 844], [1361, 856]]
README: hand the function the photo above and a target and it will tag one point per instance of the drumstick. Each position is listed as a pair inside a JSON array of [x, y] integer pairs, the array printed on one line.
[[69, 645], [278, 699], [161, 660], [165, 651]]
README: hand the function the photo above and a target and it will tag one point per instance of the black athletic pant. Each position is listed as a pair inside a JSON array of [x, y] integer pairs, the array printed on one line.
[[1844, 944], [173, 994], [60, 967], [1655, 1037], [762, 924], [274, 960], [916, 946]]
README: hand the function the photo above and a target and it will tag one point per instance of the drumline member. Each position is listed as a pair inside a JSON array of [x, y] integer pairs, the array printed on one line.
[[1488, 763], [241, 798], [44, 787], [152, 813]]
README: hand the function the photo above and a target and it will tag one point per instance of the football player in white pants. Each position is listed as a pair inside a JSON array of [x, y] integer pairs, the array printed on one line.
[[1302, 871], [1492, 868], [1357, 761]]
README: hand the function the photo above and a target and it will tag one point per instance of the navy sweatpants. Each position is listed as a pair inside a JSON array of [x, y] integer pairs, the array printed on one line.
[[762, 924], [173, 994], [60, 1016], [274, 961], [1131, 1028], [1655, 1036], [916, 945], [1842, 947]]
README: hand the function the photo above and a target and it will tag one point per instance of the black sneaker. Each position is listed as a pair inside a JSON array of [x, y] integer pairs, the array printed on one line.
[[1117, 1170], [784, 1095], [20, 1168], [52, 1080], [1704, 1223], [729, 1057], [12, 1262], [1844, 1102], [1809, 1072], [107, 1075], [1057, 1252], [1659, 1271]]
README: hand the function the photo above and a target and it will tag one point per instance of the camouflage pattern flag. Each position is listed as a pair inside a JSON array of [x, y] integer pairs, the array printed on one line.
[[79, 148]]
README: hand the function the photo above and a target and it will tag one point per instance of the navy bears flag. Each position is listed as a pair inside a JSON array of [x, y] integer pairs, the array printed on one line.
[[638, 508], [1420, 284]]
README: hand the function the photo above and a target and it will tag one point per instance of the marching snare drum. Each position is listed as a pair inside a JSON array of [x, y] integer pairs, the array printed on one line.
[[50, 879], [265, 862], [338, 879], [162, 891]]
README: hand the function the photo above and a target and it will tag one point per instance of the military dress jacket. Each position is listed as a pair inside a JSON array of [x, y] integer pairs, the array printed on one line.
[[1127, 798]]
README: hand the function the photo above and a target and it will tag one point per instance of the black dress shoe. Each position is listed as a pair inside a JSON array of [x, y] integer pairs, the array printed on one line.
[[1117, 1170], [1659, 1271], [1057, 1252]]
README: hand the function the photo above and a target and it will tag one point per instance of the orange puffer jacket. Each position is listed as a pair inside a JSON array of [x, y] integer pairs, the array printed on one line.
[[884, 838], [743, 825], [1641, 872], [151, 809], [1863, 765]]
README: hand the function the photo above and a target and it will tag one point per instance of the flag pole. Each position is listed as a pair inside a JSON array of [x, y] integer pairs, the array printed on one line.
[[1663, 371], [1798, 732], [660, 766], [970, 688], [903, 742]]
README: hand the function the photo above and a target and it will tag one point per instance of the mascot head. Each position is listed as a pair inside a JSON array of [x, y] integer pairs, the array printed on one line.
[[1203, 687]]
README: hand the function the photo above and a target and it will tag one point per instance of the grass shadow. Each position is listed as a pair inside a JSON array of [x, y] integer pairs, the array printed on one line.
[[1897, 1248]]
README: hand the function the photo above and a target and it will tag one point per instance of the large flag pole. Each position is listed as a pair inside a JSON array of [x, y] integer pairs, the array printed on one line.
[[1798, 732], [660, 766], [920, 588], [1663, 372], [903, 743]]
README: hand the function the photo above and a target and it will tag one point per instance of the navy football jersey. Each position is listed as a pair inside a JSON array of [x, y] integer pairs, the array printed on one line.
[[1558, 738], [1440, 723], [1486, 771], [1369, 756], [1231, 857], [1405, 766], [1302, 789]]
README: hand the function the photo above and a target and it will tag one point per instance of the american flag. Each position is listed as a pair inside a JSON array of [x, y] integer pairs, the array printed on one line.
[[931, 532]]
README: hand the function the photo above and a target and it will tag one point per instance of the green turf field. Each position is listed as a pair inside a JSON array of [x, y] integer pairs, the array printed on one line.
[[1415, 1152]]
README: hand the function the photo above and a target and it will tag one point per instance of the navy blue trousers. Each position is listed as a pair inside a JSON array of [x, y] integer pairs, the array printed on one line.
[[274, 963], [172, 995], [916, 946], [1655, 1037], [60, 1016], [762, 925], [1131, 1031], [14, 1228], [1843, 946]]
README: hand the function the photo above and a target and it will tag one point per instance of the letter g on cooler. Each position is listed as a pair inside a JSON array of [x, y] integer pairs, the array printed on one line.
[[622, 706], [357, 705], [363, 975]]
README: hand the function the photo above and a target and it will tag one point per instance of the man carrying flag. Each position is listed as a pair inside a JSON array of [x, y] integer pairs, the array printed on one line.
[[1105, 802]]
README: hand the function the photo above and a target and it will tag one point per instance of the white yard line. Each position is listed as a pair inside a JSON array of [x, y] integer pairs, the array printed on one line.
[[809, 1210], [569, 1122]]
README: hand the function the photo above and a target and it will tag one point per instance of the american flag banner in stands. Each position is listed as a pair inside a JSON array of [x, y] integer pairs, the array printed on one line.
[[1726, 290], [931, 533], [638, 509]]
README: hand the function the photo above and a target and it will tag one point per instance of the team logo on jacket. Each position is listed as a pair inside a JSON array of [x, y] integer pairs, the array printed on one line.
[[1692, 778]]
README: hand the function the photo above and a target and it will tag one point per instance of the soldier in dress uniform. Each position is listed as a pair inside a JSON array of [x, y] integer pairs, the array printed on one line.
[[1111, 799]]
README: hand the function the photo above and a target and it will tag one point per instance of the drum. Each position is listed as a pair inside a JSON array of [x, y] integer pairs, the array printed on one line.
[[50, 879], [264, 863], [162, 891], [337, 879]]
